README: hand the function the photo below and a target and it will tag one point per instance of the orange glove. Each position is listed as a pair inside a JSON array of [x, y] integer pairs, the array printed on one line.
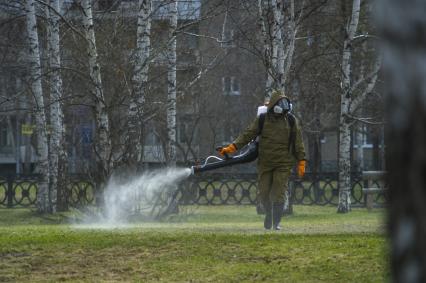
[[228, 149], [301, 166]]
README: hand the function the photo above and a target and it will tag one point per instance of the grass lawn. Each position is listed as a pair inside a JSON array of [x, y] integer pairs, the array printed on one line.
[[201, 244]]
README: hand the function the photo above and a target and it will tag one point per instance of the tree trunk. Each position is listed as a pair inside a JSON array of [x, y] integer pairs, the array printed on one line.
[[345, 111], [171, 86], [103, 143], [262, 9], [289, 41], [404, 65], [57, 152], [140, 79], [344, 166], [43, 201], [278, 43]]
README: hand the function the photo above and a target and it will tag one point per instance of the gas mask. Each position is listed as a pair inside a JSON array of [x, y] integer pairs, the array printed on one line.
[[282, 107]]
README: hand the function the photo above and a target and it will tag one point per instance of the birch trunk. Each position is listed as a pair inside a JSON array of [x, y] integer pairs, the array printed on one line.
[[103, 144], [57, 150], [171, 86], [344, 123], [43, 201], [279, 45], [405, 63], [344, 166], [140, 79], [288, 50], [266, 50]]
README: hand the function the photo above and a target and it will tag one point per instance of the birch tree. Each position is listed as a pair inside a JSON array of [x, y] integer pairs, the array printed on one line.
[[140, 80], [353, 93], [278, 34], [404, 67], [43, 198], [57, 151], [103, 144], [171, 85]]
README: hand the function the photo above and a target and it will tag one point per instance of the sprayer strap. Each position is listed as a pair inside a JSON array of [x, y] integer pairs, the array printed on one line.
[[292, 138], [260, 125]]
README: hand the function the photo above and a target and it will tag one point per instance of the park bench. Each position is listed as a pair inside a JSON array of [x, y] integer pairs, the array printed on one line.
[[374, 183]]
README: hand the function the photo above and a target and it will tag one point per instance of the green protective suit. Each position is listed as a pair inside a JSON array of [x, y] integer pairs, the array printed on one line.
[[274, 161]]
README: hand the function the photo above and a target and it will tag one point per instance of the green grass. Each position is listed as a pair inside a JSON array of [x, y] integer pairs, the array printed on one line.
[[201, 244]]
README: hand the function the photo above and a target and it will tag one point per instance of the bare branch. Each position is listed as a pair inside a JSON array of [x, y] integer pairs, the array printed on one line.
[[371, 78], [62, 18], [366, 120], [206, 36]]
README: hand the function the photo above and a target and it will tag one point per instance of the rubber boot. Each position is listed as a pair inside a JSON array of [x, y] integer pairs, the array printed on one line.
[[267, 223], [277, 213]]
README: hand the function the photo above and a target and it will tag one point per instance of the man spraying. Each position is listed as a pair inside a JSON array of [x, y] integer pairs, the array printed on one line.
[[280, 148]]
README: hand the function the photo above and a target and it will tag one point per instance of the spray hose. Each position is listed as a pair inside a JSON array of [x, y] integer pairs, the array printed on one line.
[[248, 154]]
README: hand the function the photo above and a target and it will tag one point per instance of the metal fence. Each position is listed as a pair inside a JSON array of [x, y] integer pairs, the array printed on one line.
[[213, 189]]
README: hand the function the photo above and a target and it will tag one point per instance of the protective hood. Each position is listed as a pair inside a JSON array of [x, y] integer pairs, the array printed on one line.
[[276, 95]]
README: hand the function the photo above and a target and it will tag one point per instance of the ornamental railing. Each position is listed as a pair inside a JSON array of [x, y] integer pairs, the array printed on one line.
[[213, 189]]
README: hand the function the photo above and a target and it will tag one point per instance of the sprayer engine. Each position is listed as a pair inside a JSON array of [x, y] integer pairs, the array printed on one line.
[[247, 154]]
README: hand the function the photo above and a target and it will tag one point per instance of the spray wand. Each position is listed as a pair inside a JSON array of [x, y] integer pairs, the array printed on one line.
[[247, 154]]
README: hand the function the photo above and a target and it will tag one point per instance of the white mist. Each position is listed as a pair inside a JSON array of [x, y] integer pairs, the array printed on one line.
[[137, 195]]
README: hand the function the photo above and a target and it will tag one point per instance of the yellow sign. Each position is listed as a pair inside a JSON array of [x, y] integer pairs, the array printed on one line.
[[27, 129]]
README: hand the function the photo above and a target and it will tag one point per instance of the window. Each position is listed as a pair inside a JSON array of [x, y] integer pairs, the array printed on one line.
[[190, 41], [363, 136], [228, 39], [69, 2], [183, 138], [5, 137], [187, 9], [225, 136], [309, 39], [151, 138], [187, 130], [231, 86], [229, 133], [12, 7], [108, 4]]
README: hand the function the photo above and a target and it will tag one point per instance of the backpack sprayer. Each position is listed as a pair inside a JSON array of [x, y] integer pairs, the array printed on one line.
[[247, 154]]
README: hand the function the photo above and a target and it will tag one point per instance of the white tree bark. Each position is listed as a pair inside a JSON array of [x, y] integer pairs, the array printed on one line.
[[57, 150], [103, 144], [288, 49], [344, 122], [140, 79], [351, 97], [266, 49], [43, 202], [279, 44], [171, 86]]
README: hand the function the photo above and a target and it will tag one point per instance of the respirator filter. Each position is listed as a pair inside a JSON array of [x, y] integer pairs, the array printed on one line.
[[282, 106]]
